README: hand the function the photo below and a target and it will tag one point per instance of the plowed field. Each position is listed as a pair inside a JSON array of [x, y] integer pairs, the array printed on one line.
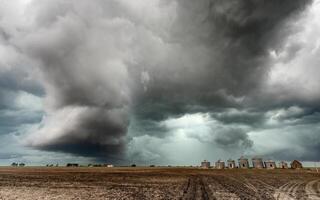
[[156, 183]]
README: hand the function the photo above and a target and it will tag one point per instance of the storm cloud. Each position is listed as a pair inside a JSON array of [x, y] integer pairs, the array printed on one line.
[[113, 75]]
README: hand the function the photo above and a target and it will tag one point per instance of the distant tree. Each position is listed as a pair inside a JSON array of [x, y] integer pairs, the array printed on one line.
[[72, 165], [14, 164], [133, 165], [22, 165]]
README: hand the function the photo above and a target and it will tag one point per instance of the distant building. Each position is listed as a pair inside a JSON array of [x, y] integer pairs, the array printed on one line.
[[296, 165], [107, 165], [257, 163], [283, 165], [270, 164], [220, 164], [243, 163], [205, 164], [231, 164]]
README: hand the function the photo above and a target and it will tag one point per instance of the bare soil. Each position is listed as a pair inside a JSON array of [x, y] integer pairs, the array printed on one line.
[[32, 183]]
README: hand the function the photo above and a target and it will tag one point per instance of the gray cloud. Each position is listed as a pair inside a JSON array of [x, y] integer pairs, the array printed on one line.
[[104, 63], [220, 54], [298, 141], [233, 138]]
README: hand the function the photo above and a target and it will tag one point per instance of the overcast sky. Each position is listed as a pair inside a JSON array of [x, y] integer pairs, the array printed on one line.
[[159, 81]]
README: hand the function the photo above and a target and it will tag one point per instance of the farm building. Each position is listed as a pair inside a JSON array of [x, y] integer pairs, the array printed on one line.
[[107, 165], [243, 162], [257, 163], [220, 164], [231, 164], [296, 165], [270, 164], [283, 165], [205, 164]]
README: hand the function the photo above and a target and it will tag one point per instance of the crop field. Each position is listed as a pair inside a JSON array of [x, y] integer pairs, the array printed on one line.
[[156, 183]]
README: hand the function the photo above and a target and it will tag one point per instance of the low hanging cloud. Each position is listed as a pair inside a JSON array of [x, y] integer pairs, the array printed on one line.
[[111, 72]]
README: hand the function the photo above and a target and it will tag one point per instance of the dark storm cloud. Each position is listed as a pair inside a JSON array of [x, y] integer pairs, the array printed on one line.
[[220, 51], [16, 79], [78, 46], [304, 145], [233, 138], [150, 127], [10, 156], [104, 62], [13, 116], [221, 55], [17, 88], [253, 118], [11, 120], [222, 58], [96, 133]]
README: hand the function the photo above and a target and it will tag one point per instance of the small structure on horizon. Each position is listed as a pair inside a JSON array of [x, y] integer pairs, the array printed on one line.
[[243, 162], [220, 164], [283, 165], [205, 164], [296, 165], [270, 164], [231, 164], [14, 164], [257, 163], [72, 165]]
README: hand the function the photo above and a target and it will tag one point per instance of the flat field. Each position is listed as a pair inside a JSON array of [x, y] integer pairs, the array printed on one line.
[[156, 183]]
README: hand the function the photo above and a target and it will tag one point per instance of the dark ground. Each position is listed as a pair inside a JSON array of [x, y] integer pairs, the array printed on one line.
[[156, 183]]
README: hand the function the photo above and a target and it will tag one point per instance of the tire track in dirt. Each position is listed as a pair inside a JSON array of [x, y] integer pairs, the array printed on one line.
[[290, 190], [203, 188], [298, 190], [196, 188], [189, 190], [254, 185], [265, 190], [312, 190], [269, 187], [241, 188], [218, 191], [282, 192]]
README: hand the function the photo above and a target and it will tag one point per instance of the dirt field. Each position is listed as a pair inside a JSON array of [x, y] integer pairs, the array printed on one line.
[[156, 183]]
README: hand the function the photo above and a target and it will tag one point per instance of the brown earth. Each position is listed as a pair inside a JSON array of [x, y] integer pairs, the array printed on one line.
[[156, 183]]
